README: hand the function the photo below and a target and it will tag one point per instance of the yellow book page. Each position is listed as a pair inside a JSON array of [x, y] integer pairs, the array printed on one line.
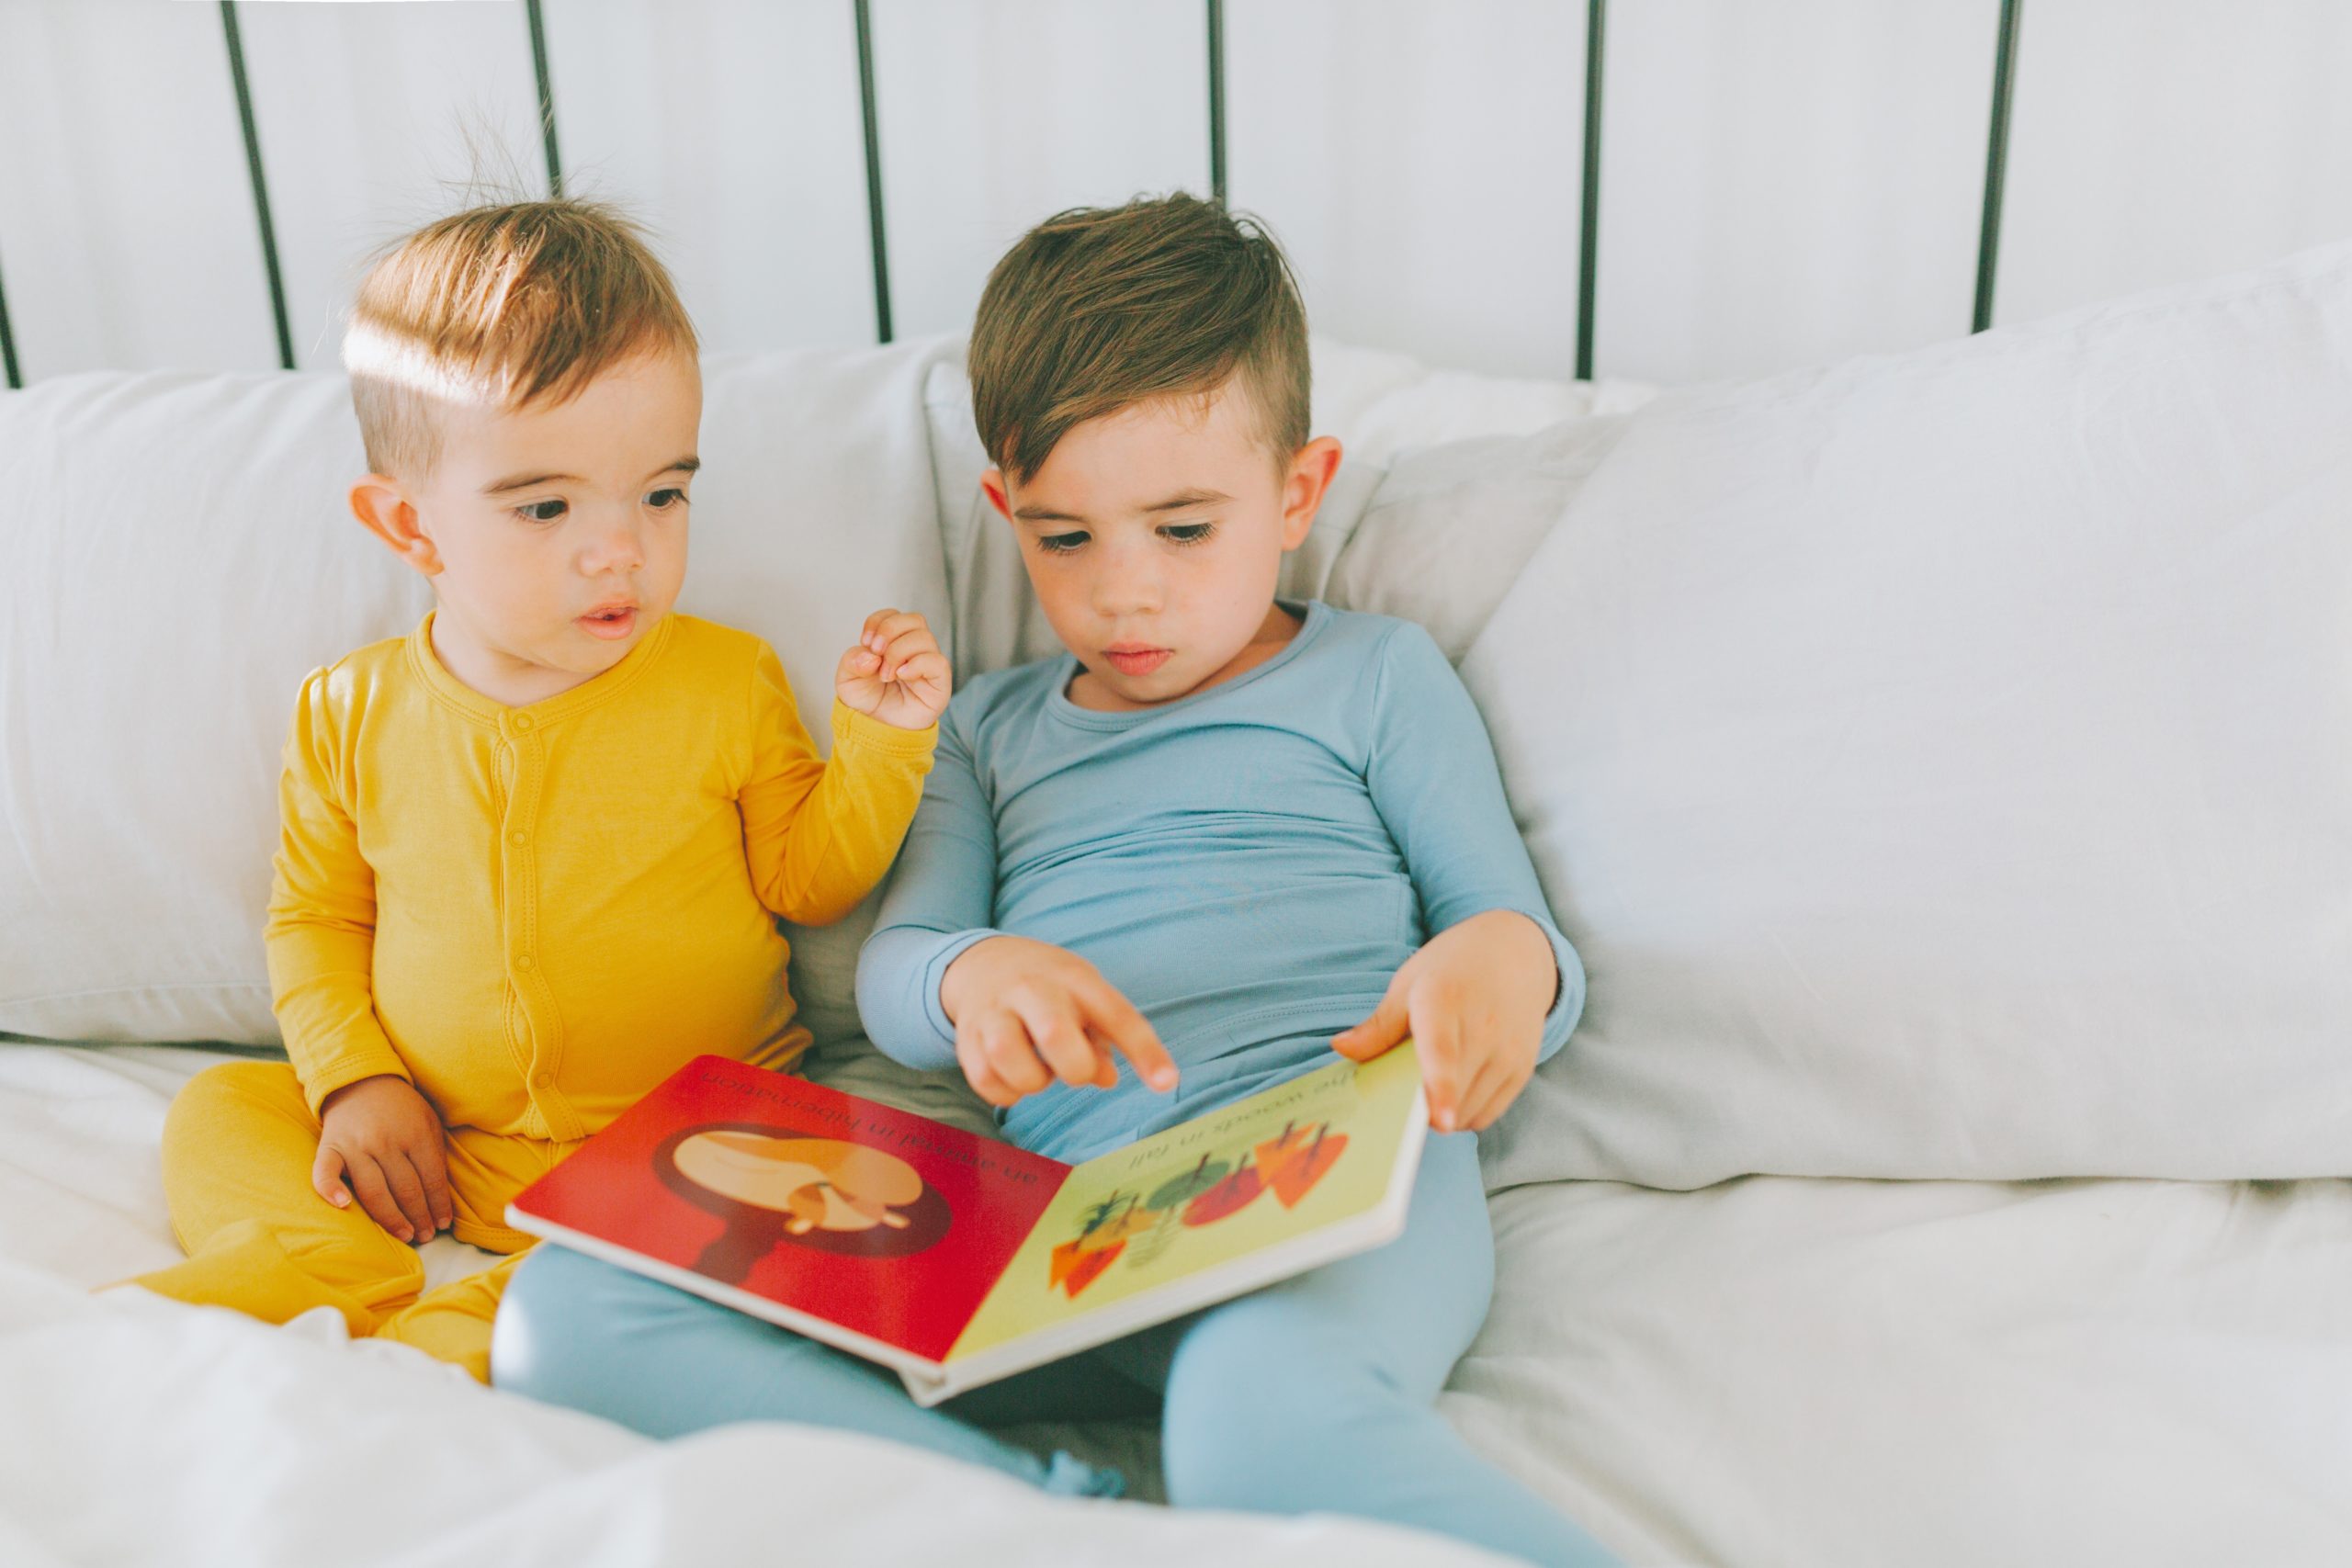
[[1248, 1175]]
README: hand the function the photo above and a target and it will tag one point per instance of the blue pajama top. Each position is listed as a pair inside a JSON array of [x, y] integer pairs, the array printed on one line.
[[1249, 864]]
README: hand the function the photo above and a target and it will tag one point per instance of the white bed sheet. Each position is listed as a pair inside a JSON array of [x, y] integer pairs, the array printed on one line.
[[136, 1431], [1784, 1373], [1769, 1372]]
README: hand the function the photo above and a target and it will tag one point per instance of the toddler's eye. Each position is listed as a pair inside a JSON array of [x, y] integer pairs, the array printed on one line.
[[663, 499], [1060, 544], [542, 511], [1187, 533]]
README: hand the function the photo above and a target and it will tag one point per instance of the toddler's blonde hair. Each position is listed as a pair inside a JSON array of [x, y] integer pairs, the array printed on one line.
[[506, 305]]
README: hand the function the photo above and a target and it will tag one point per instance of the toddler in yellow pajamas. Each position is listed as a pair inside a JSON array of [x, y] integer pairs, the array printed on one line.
[[532, 852]]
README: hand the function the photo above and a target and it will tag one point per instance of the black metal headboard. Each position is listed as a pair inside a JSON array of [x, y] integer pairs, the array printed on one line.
[[1596, 60]]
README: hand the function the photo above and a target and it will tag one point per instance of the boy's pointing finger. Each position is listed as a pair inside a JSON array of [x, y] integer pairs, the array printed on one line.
[[1106, 1057], [1132, 1036], [1055, 1031]]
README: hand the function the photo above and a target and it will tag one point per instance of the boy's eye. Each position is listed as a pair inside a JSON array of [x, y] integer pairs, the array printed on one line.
[[1060, 544], [542, 511], [1187, 533], [664, 498]]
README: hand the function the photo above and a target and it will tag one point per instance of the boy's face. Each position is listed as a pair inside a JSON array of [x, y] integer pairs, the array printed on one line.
[[1153, 537], [555, 534]]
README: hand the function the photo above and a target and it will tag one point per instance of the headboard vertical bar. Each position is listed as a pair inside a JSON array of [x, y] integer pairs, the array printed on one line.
[[260, 185], [8, 346], [1589, 236], [1217, 100], [546, 96], [873, 172], [1997, 159]]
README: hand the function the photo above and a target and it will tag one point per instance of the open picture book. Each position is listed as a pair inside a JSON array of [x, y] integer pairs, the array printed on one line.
[[957, 1260]]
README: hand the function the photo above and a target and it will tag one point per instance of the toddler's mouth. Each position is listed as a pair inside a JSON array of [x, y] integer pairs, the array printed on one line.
[[611, 622]]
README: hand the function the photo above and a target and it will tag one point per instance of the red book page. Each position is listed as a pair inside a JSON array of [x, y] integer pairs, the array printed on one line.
[[888, 1224]]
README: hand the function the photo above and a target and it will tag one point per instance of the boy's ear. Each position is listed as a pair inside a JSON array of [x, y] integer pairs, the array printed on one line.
[[1311, 467], [383, 508], [992, 486]]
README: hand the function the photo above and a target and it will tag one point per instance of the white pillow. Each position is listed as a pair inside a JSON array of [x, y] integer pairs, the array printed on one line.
[[1943, 763], [1448, 529], [181, 556], [813, 510]]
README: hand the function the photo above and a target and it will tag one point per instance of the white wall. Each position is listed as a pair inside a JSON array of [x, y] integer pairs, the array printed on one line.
[[1784, 181]]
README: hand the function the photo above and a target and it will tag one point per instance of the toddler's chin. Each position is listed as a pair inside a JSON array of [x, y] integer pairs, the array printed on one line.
[[593, 660], [589, 652]]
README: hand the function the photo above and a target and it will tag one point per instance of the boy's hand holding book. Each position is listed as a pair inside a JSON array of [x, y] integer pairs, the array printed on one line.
[[379, 1140], [1473, 999]]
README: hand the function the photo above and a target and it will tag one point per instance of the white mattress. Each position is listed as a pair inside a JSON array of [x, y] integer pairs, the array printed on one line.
[[1800, 1374], [1886, 1375], [135, 1431]]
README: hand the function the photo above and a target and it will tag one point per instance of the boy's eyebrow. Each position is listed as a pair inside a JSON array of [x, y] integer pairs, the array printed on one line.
[[1184, 498], [687, 464], [1177, 502]]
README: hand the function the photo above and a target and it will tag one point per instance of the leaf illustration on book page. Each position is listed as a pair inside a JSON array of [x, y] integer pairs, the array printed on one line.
[[1294, 1162], [1076, 1265], [1229, 1196], [1167, 1204]]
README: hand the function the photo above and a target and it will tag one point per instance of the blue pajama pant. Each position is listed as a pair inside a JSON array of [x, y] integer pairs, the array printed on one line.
[[1317, 1393]]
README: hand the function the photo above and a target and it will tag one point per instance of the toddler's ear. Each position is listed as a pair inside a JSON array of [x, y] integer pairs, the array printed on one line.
[[378, 503]]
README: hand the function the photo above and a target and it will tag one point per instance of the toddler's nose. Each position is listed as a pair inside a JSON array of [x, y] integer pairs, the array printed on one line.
[[618, 548]]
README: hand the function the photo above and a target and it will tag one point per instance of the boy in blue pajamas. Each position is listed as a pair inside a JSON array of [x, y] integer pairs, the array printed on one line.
[[1220, 837]]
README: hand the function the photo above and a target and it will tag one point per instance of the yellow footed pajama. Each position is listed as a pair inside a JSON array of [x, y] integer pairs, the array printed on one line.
[[238, 1147]]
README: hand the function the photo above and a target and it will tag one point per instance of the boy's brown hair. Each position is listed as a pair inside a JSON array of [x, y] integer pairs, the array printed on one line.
[[508, 303], [1099, 307]]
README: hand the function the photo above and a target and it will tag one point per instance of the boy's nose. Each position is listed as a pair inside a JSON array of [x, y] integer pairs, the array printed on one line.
[[1118, 599], [1125, 589]]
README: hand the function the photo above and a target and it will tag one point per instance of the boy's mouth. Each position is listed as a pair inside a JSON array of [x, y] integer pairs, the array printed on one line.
[[611, 622], [1131, 660]]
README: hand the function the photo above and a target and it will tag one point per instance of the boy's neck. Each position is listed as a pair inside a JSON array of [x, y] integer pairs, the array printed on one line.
[[1274, 634]]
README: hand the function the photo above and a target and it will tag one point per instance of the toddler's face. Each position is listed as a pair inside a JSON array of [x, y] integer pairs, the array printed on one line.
[[555, 535], [1154, 534]]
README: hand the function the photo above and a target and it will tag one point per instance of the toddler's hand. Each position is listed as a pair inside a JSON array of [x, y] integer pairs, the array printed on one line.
[[379, 1140], [896, 673], [1028, 1012], [1473, 999]]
